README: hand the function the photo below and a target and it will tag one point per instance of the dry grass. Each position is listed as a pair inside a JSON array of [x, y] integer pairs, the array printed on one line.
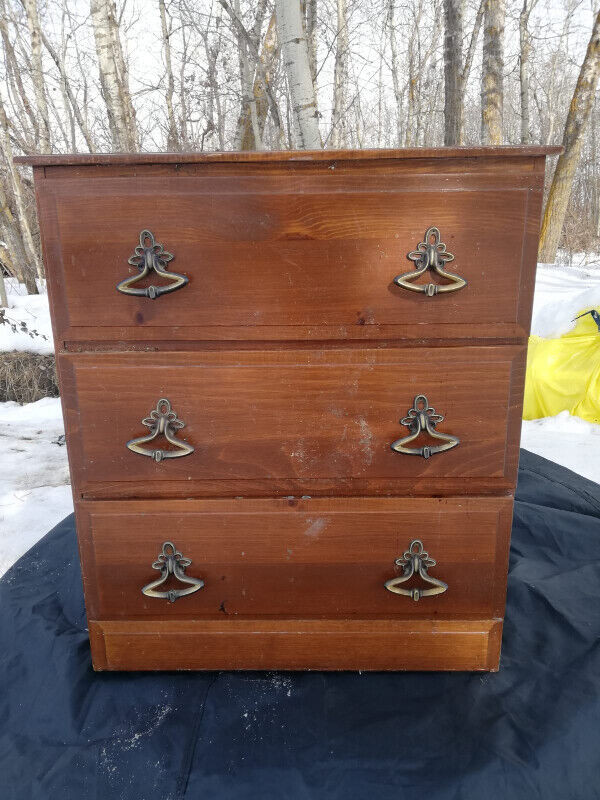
[[27, 377]]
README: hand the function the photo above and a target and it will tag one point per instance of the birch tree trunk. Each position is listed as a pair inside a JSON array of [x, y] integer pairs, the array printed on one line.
[[297, 67], [340, 79], [113, 76], [577, 120], [311, 35], [524, 55], [172, 137], [394, 70], [22, 220], [37, 75], [492, 79], [453, 88]]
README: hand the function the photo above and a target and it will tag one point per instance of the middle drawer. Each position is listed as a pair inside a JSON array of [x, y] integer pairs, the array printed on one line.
[[293, 422]]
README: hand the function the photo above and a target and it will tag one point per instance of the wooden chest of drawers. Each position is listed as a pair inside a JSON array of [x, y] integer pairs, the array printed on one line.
[[292, 388]]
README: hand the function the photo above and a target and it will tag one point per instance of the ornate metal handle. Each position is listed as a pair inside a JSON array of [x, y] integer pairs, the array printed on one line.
[[151, 257], [171, 562], [415, 561], [162, 421], [421, 418], [431, 254]]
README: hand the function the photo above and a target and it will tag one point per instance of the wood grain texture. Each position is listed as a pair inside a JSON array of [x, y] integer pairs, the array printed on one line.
[[291, 356], [296, 416], [317, 557], [310, 251], [285, 156], [296, 644]]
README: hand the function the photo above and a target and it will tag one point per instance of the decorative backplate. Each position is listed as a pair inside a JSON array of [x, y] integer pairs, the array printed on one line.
[[171, 562], [150, 257], [416, 561], [162, 421], [430, 254], [422, 418]]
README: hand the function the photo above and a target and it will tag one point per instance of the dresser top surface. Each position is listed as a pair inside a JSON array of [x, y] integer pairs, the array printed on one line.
[[79, 159]]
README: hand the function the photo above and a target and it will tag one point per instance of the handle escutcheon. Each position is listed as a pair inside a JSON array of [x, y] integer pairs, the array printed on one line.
[[422, 418], [431, 254], [416, 561], [150, 258], [162, 421], [171, 562]]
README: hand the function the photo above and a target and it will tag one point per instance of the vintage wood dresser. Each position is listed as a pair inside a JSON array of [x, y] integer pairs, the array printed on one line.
[[292, 388]]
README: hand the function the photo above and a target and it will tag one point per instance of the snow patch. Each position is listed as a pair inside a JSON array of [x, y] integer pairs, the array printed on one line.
[[561, 293], [570, 441], [33, 310]]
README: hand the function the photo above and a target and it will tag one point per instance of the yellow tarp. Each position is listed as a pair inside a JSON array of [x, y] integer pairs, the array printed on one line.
[[564, 374]]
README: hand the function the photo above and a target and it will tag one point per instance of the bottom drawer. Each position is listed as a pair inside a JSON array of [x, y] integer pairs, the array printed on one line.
[[296, 558]]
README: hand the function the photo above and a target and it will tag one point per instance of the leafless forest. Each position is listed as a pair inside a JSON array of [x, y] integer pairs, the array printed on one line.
[[95, 75]]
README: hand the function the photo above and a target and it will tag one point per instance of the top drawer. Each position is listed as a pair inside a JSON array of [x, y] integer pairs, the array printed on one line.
[[294, 251]]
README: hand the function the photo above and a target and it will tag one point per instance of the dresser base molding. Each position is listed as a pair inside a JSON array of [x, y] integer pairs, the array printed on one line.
[[264, 644]]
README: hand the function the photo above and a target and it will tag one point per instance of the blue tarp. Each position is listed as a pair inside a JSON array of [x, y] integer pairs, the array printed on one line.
[[530, 731]]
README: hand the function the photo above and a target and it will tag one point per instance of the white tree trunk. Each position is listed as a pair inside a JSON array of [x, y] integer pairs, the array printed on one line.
[[340, 79], [172, 137], [297, 67], [524, 55], [394, 66], [113, 75], [17, 192], [492, 79], [311, 35], [37, 75]]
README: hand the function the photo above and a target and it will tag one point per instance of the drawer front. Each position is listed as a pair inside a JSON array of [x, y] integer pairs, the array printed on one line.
[[293, 256], [297, 420], [306, 558]]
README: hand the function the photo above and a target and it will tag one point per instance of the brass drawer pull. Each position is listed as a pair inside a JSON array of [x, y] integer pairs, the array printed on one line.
[[171, 562], [431, 254], [151, 257], [423, 419], [415, 561], [161, 421]]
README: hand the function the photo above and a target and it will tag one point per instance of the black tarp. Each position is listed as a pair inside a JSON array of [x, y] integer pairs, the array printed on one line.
[[530, 731]]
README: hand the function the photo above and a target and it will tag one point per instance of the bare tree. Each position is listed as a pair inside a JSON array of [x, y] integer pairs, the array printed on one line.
[[311, 36], [394, 68], [453, 88], [297, 67], [524, 58], [29, 250], [577, 120], [172, 134], [492, 78], [37, 74], [261, 88], [340, 78], [113, 75]]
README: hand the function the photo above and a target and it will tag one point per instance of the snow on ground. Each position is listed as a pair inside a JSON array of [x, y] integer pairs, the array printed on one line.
[[31, 310], [560, 294], [570, 441], [35, 492]]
